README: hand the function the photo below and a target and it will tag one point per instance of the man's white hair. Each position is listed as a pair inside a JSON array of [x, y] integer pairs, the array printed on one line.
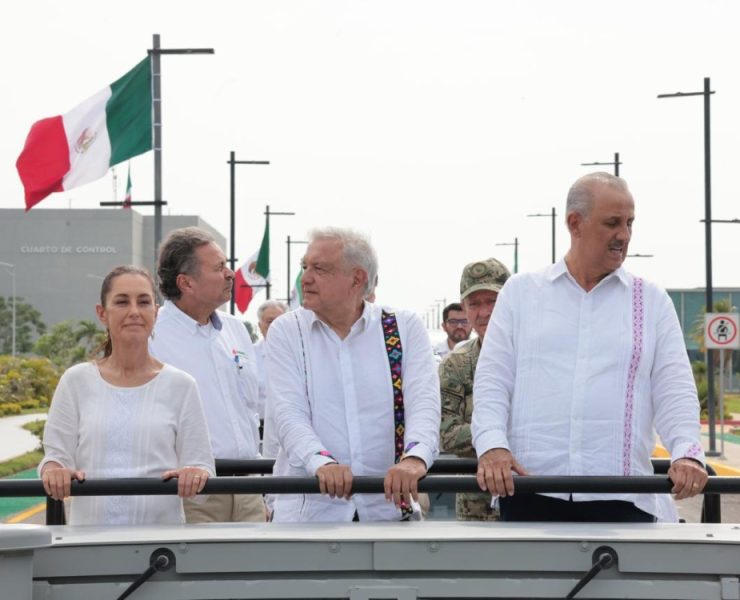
[[271, 304], [356, 249], [581, 194]]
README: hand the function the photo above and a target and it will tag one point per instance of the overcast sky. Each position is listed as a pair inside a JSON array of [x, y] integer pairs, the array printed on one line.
[[435, 126]]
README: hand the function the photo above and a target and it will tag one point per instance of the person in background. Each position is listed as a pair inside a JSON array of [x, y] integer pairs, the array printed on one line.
[[126, 414], [480, 284], [266, 314], [456, 326]]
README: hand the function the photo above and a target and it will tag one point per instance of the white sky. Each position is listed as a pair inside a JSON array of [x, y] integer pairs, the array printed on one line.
[[435, 126]]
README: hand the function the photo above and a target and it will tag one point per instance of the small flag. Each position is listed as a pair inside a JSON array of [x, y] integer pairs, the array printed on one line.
[[247, 283], [127, 198], [263, 260], [296, 296], [254, 273]]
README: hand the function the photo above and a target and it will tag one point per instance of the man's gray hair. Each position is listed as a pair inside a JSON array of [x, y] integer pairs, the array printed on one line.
[[271, 304], [581, 194], [356, 248], [177, 255]]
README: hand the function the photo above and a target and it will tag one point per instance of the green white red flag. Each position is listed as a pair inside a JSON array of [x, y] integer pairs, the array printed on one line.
[[70, 150], [127, 197], [253, 274], [296, 296]]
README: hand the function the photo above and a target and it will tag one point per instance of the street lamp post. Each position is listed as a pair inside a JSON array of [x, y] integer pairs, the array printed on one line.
[[289, 243], [552, 215], [11, 269], [615, 162], [441, 304], [706, 93], [270, 213], [232, 162], [515, 243]]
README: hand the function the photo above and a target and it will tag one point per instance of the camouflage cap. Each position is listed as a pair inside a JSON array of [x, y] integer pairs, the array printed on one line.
[[489, 274]]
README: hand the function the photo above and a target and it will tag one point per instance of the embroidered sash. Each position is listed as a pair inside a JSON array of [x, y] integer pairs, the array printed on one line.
[[638, 315], [395, 355]]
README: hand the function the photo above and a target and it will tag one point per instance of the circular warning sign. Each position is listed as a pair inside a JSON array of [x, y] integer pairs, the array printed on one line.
[[721, 331]]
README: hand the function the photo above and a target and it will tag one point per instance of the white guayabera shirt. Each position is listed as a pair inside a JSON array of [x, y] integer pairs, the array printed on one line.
[[577, 383], [334, 396]]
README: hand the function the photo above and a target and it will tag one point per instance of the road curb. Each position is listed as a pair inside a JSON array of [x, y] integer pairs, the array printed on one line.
[[26, 514]]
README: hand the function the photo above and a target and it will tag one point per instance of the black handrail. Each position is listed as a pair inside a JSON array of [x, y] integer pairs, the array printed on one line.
[[650, 484], [711, 508], [444, 465]]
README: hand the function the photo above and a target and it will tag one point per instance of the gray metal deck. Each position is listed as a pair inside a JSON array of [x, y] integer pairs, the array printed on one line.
[[361, 561]]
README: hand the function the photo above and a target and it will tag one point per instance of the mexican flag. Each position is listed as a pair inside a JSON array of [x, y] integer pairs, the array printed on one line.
[[73, 149], [254, 273], [127, 198], [296, 296]]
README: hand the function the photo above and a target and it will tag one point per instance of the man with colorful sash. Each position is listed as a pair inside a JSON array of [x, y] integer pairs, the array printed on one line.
[[354, 390]]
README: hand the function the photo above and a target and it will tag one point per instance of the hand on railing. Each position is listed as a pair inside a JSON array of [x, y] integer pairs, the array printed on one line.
[[401, 482], [190, 480], [689, 478], [57, 480], [495, 472], [335, 480]]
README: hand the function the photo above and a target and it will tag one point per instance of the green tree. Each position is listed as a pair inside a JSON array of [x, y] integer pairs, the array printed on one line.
[[28, 324], [70, 342]]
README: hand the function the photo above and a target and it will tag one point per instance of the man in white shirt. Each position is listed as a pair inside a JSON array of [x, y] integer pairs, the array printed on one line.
[[456, 326], [216, 350], [354, 389], [581, 364]]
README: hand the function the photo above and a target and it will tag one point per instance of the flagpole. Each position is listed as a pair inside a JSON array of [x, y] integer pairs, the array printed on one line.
[[157, 133], [267, 232], [290, 242], [232, 162], [156, 52]]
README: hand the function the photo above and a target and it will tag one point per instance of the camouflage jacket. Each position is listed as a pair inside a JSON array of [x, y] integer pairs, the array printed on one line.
[[456, 374]]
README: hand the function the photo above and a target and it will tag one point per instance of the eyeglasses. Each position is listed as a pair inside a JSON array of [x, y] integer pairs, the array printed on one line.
[[457, 322]]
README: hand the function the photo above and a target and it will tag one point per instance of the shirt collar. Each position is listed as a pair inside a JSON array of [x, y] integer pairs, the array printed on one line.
[[186, 320], [362, 323], [559, 269]]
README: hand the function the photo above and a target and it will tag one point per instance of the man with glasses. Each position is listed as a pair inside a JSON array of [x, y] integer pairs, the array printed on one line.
[[455, 325], [479, 288]]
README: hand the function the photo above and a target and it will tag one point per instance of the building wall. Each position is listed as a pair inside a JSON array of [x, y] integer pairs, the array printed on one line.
[[61, 255]]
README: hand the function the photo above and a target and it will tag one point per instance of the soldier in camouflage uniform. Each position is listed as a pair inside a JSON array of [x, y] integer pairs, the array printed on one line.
[[479, 286]]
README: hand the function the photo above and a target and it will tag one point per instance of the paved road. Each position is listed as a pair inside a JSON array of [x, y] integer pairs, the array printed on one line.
[[14, 440]]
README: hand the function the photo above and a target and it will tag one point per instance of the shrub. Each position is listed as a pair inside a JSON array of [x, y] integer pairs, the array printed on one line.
[[26, 382]]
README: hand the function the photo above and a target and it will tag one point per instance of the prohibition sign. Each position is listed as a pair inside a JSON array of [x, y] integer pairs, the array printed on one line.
[[722, 332]]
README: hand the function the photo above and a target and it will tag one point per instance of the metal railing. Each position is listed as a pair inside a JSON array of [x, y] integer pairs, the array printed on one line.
[[446, 475]]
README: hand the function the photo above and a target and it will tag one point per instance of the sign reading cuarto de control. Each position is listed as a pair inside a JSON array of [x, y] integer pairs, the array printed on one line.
[[68, 250], [721, 331]]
